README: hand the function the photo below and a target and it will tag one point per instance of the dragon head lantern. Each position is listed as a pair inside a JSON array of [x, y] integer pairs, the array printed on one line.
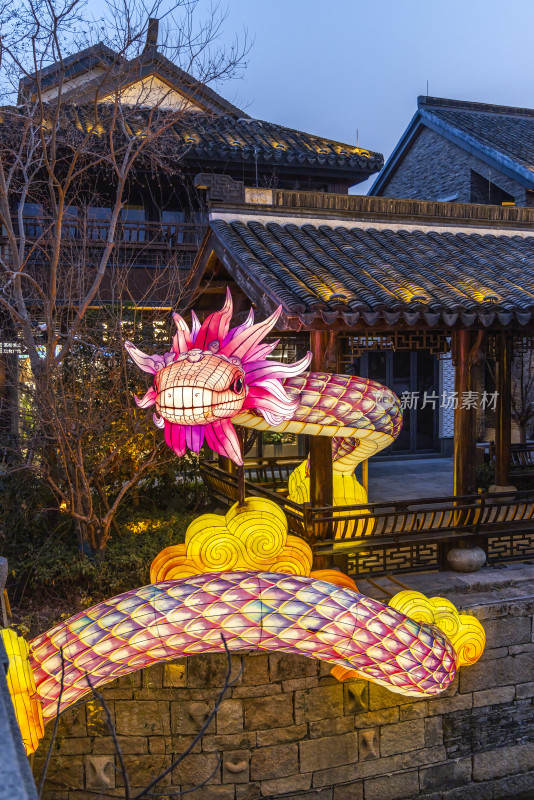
[[212, 374]]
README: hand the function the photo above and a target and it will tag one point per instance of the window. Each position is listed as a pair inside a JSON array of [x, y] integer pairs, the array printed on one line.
[[487, 193]]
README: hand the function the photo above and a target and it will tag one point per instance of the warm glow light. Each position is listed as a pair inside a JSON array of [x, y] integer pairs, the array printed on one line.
[[21, 685], [253, 610], [465, 632], [252, 536], [212, 374]]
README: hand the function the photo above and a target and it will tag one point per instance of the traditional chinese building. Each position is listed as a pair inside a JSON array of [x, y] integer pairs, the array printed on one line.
[[464, 152], [164, 218], [400, 289]]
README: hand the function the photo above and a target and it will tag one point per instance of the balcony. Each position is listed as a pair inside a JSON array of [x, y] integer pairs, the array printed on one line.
[[146, 244]]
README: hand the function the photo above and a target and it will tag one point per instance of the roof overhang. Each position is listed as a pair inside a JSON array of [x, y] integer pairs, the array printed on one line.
[[350, 271]]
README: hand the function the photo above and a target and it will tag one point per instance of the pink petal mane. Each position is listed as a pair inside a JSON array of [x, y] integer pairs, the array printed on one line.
[[243, 346]]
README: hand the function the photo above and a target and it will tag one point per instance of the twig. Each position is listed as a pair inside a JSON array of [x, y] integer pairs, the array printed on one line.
[[227, 685], [54, 730]]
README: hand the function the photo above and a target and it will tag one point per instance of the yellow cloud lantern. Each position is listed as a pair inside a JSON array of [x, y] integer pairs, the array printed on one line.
[[252, 536], [21, 685], [464, 632]]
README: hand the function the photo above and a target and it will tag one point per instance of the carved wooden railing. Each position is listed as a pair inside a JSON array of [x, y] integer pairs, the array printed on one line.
[[148, 243], [397, 536]]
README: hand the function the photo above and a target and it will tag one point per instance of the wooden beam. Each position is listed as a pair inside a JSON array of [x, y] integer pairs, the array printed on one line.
[[321, 472], [464, 417], [503, 432]]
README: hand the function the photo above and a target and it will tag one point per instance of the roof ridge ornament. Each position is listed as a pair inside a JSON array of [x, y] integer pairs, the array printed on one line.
[[152, 35]]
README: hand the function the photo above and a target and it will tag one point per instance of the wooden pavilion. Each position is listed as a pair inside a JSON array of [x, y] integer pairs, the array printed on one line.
[[356, 273]]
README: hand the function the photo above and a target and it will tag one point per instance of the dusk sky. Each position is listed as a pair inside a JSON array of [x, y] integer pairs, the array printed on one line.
[[331, 68]]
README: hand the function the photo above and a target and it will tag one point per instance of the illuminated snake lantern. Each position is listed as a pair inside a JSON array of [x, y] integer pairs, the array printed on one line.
[[243, 575]]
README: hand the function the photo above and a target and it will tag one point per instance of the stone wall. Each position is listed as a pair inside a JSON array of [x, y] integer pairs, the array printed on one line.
[[287, 728], [435, 169]]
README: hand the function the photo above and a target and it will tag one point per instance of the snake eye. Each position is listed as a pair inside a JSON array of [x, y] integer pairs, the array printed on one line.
[[238, 385]]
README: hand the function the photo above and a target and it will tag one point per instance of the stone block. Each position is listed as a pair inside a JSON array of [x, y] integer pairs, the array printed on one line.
[[503, 761], [401, 761], [293, 783], [474, 791], [501, 672], [285, 666], [356, 696], [274, 762], [236, 766], [517, 649], [227, 741], [190, 716], [413, 711], [264, 690], [255, 669], [308, 682], [280, 735], [369, 746], [100, 772], [433, 731], [331, 727], [230, 716], [209, 669], [320, 703], [158, 744], [175, 675], [507, 631], [493, 697], [96, 717], [268, 712], [524, 690], [248, 791], [144, 718], [74, 746], [332, 751], [142, 769], [513, 787], [449, 704], [313, 794], [380, 698], [73, 722], [372, 718], [153, 677], [350, 791], [402, 737], [197, 768], [131, 681], [439, 777], [336, 775], [400, 786], [128, 744], [209, 792], [66, 772]]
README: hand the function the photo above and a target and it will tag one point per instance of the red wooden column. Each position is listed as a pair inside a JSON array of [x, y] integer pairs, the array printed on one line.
[[321, 473], [503, 432], [464, 418]]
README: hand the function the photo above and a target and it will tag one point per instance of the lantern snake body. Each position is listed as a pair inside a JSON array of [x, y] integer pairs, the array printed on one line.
[[361, 415], [253, 610]]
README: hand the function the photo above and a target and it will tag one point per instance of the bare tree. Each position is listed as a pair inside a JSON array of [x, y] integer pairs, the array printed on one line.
[[71, 155]]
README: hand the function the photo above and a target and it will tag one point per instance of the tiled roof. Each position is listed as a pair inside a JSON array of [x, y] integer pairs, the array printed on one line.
[[246, 139], [501, 136], [502, 129], [339, 272]]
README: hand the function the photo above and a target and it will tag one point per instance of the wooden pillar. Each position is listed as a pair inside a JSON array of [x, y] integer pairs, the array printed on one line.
[[464, 417], [321, 473], [503, 432]]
